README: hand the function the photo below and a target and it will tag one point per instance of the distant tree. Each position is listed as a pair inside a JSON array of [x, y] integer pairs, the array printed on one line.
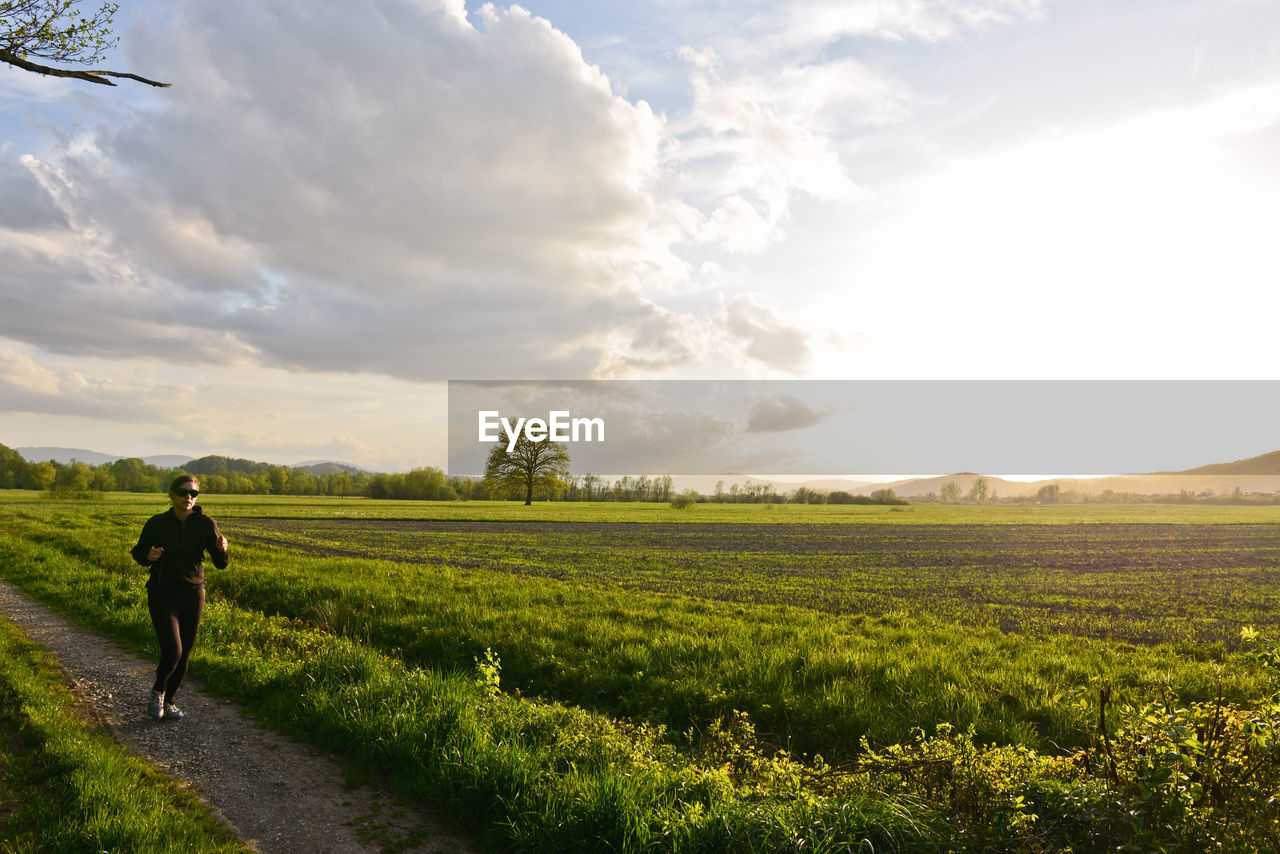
[[1050, 493], [839, 496], [279, 479], [805, 495], [623, 489], [950, 493], [765, 493], [466, 488], [41, 475], [75, 477], [379, 486], [302, 482], [130, 474], [887, 496], [527, 467], [103, 479], [572, 488], [979, 492], [55, 31], [428, 484], [13, 468]]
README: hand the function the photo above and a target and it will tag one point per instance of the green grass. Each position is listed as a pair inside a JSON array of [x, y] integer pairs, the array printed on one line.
[[65, 787], [813, 681], [625, 648], [888, 627], [532, 775]]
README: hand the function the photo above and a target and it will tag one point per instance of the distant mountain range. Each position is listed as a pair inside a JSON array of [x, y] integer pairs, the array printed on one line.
[[1256, 474], [68, 455], [193, 465], [1265, 464]]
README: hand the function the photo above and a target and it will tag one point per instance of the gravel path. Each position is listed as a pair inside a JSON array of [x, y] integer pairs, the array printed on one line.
[[275, 794]]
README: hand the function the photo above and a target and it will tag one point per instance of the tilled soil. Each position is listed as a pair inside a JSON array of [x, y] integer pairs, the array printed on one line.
[[275, 794], [1077, 548]]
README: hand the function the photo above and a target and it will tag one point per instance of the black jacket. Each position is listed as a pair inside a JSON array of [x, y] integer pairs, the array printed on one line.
[[184, 544]]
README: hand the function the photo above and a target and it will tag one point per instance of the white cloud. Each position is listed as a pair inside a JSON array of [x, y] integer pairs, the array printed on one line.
[[385, 189], [773, 108], [747, 145], [29, 387], [824, 21], [19, 371]]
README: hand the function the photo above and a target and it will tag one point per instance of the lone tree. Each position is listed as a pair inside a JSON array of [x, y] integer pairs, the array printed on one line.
[[527, 466], [55, 31]]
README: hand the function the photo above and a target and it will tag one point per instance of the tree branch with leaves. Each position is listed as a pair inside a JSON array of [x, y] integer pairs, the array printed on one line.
[[55, 31]]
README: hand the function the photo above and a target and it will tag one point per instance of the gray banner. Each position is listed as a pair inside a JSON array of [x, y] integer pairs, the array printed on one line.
[[870, 427]]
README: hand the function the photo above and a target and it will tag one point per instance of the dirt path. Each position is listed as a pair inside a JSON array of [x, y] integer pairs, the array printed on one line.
[[274, 793]]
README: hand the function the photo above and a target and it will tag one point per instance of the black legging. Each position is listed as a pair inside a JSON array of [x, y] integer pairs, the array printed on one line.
[[175, 613]]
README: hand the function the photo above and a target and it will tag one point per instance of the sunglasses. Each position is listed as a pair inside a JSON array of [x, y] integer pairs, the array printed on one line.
[[183, 493]]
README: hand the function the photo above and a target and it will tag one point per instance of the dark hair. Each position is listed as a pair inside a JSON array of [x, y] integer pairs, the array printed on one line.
[[181, 479]]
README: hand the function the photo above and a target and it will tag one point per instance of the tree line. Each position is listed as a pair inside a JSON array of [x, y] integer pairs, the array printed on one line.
[[233, 476], [230, 476], [227, 476]]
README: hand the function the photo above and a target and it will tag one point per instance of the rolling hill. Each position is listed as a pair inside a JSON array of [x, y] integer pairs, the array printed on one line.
[[1263, 464]]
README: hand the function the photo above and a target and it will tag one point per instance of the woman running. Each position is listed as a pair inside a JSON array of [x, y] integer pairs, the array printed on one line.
[[172, 545]]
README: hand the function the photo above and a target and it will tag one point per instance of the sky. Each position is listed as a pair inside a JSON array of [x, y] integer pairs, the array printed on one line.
[[338, 207]]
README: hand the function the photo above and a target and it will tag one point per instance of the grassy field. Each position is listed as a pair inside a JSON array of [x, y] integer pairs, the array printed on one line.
[[650, 662]]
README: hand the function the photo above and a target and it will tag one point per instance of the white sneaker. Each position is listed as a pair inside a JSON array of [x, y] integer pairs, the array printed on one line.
[[155, 706], [172, 712]]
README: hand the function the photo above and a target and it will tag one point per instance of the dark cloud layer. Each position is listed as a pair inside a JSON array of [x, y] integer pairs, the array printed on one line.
[[25, 203]]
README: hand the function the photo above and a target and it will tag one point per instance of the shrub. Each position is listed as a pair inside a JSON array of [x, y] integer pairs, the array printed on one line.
[[685, 500]]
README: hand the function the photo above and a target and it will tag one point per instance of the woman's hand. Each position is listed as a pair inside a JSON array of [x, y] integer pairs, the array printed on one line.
[[153, 553]]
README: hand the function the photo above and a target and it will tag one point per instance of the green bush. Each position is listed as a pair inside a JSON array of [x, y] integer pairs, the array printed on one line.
[[685, 500]]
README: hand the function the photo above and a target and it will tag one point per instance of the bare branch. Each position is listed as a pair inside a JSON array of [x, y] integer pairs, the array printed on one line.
[[92, 75]]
